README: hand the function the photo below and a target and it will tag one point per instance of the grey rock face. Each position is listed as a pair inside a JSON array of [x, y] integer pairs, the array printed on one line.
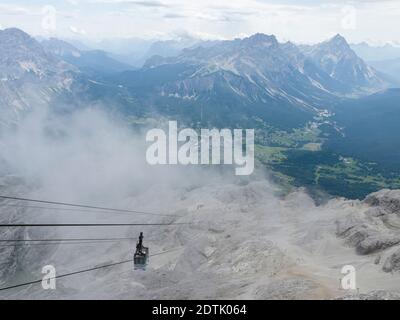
[[338, 60], [367, 239], [287, 289], [373, 295], [392, 263], [386, 199], [377, 228], [29, 76]]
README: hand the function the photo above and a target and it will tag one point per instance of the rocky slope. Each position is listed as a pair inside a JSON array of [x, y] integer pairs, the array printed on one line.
[[341, 63], [29, 76], [376, 231], [243, 243], [300, 74]]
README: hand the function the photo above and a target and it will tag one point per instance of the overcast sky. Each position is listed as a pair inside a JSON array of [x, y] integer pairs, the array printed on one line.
[[376, 21]]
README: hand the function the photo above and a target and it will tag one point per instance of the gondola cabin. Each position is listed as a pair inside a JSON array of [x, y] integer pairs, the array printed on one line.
[[141, 259], [141, 256]]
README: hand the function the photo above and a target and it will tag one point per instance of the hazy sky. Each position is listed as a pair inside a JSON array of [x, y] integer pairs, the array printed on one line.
[[376, 21]]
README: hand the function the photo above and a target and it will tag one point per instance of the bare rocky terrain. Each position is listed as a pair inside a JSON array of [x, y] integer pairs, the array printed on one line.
[[243, 242]]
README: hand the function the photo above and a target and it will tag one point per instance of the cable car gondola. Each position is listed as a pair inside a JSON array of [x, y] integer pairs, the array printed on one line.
[[141, 256]]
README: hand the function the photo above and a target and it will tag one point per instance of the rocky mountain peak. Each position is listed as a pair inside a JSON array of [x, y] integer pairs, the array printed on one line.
[[14, 33], [17, 40], [261, 39], [338, 39], [340, 62]]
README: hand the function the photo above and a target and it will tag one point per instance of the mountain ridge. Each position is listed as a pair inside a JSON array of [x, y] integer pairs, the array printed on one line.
[[243, 79], [257, 73], [30, 77], [90, 61]]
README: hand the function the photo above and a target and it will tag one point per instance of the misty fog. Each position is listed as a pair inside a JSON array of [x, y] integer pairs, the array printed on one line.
[[242, 240]]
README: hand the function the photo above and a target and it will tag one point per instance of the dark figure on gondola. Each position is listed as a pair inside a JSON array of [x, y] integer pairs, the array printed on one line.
[[141, 257], [139, 244]]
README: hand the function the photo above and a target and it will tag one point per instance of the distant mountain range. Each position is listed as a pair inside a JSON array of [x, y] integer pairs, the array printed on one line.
[[385, 58], [376, 53], [90, 61], [135, 51], [217, 83], [256, 77], [390, 67], [330, 66]]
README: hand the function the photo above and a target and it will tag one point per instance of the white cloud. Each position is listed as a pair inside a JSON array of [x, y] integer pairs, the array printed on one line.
[[10, 9], [301, 21], [140, 3], [73, 2], [77, 31]]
